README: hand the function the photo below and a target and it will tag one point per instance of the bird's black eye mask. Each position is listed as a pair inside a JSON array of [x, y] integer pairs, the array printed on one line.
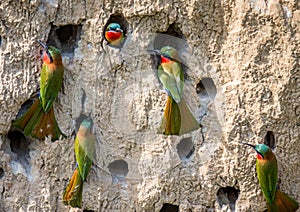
[[49, 55], [115, 29], [260, 154], [170, 58]]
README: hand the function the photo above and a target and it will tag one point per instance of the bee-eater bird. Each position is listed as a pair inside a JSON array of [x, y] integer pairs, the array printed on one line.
[[39, 120], [266, 168], [177, 118], [84, 152], [114, 35]]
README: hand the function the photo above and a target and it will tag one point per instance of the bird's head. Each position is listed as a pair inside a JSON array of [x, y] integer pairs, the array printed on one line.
[[167, 54], [50, 54], [113, 32], [87, 124], [261, 149], [114, 27]]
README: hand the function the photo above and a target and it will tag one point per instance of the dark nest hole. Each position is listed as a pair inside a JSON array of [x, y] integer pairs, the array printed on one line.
[[1, 173], [117, 18], [87, 210], [0, 40], [270, 140], [18, 143], [172, 37], [185, 148], [206, 88], [65, 37], [169, 208], [26, 105], [118, 168], [228, 196]]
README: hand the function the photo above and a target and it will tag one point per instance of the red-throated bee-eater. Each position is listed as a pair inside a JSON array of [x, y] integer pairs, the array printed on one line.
[[177, 118], [266, 168], [114, 35], [84, 152], [39, 120]]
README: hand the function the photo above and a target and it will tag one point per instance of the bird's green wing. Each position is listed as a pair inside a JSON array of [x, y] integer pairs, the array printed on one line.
[[50, 84], [84, 150], [171, 77]]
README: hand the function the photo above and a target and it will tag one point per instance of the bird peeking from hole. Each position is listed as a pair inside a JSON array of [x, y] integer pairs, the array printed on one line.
[[114, 35]]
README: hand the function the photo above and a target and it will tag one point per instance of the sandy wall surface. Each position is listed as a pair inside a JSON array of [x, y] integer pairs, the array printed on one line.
[[242, 84]]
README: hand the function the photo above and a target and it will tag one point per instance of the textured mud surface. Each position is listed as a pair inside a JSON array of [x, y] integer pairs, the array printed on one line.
[[242, 84]]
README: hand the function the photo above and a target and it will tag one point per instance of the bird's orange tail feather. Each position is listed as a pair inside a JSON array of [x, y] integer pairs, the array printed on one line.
[[73, 193]]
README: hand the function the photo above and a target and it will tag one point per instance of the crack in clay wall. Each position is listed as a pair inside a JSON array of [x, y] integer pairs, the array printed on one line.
[[242, 84]]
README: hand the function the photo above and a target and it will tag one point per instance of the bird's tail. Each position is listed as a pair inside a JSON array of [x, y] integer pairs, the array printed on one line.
[[36, 123], [188, 121], [283, 202], [177, 119], [73, 193]]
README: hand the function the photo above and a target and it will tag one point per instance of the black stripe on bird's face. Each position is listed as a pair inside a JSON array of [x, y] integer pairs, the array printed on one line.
[[49, 55], [253, 146]]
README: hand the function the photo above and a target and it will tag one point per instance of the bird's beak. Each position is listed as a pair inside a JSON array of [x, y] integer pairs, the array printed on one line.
[[253, 146], [249, 145], [119, 30], [42, 44], [153, 51]]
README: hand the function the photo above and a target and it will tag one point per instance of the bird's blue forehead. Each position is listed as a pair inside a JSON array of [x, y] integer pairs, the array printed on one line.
[[262, 148], [114, 26], [87, 123]]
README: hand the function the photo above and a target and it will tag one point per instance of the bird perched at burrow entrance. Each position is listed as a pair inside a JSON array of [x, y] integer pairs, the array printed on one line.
[[114, 35], [266, 168], [177, 118], [84, 152], [39, 120]]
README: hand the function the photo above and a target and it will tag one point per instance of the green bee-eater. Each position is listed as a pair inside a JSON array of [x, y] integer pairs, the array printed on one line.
[[266, 168], [114, 35], [84, 152], [39, 121], [177, 117]]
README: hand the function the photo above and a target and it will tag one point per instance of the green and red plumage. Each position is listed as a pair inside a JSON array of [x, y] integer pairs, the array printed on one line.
[[177, 118], [39, 121], [84, 151], [267, 173], [114, 35]]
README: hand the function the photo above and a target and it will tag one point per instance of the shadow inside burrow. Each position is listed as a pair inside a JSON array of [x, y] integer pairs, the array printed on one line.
[[169, 208], [185, 149], [118, 170], [227, 196], [65, 38]]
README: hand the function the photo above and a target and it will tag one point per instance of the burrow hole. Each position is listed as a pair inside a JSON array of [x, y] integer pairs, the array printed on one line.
[[228, 196], [169, 208], [119, 170], [172, 37], [65, 38], [0, 40], [206, 91], [119, 19], [185, 148], [26, 105], [87, 210], [206, 88], [270, 140], [1, 173], [18, 143]]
